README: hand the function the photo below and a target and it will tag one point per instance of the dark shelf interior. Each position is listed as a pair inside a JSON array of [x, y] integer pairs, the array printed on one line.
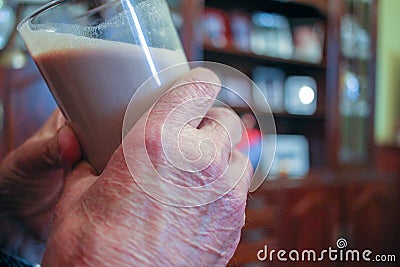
[[313, 127], [234, 54], [285, 8]]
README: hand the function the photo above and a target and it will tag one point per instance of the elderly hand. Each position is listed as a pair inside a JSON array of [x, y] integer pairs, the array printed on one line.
[[108, 220], [31, 181]]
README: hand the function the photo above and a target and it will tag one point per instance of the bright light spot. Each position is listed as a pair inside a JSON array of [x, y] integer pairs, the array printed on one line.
[[352, 86], [306, 95], [18, 61], [143, 42], [266, 20], [352, 82], [4, 16]]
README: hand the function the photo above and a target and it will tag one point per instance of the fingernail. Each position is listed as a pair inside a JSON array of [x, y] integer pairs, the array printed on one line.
[[68, 146]]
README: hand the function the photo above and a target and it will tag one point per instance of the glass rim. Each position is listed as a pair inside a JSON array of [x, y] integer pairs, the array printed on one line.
[[38, 11], [44, 8]]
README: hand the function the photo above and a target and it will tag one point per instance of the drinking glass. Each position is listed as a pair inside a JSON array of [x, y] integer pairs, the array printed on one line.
[[95, 54]]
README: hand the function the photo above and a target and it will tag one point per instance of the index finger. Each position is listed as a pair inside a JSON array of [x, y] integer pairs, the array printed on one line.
[[189, 98]]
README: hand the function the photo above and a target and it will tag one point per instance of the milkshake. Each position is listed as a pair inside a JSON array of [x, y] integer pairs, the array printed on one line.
[[94, 55], [93, 81]]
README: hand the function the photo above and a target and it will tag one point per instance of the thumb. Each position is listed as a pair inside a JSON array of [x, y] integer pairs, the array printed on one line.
[[189, 98], [38, 155]]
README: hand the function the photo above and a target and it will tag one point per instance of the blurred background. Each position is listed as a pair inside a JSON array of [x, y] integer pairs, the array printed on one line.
[[330, 72]]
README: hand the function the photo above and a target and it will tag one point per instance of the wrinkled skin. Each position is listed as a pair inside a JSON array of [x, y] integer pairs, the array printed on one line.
[[108, 220]]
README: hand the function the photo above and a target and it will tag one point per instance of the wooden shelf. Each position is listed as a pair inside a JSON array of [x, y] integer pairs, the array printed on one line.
[[242, 55], [288, 8], [299, 117], [316, 116]]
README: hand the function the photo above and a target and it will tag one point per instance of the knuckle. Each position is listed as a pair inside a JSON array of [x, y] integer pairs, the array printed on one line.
[[152, 134], [226, 144], [226, 123], [247, 174], [236, 201], [215, 169], [217, 160], [238, 195], [229, 114], [202, 87]]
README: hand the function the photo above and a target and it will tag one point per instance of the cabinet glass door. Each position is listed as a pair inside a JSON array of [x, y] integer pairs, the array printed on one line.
[[357, 78]]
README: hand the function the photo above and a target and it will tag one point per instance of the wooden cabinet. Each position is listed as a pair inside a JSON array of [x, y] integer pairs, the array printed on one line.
[[186, 15], [3, 136], [340, 132], [311, 210], [313, 126], [361, 207], [351, 59], [372, 215]]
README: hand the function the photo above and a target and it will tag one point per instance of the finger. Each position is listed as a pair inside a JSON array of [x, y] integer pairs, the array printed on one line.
[[60, 118], [225, 123], [50, 127], [189, 98], [235, 200], [62, 150], [239, 173], [82, 177], [68, 146]]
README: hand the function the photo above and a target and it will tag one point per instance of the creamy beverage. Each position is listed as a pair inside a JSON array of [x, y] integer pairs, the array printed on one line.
[[93, 81]]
